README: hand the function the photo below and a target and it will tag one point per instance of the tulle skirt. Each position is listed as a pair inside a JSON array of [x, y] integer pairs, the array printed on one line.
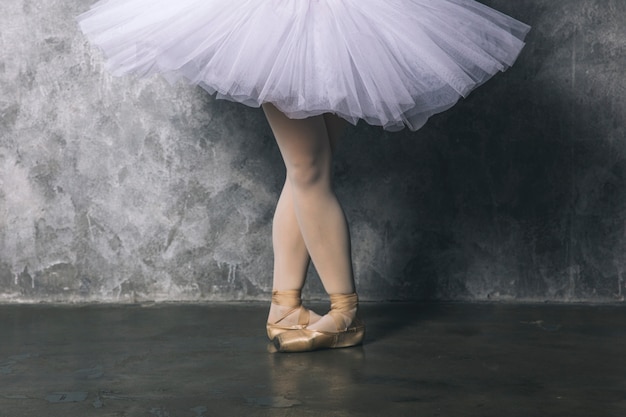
[[392, 63]]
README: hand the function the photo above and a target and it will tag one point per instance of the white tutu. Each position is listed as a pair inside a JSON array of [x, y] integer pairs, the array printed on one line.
[[389, 62]]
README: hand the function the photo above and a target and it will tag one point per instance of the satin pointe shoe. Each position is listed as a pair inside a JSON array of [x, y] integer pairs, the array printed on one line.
[[290, 299], [342, 310]]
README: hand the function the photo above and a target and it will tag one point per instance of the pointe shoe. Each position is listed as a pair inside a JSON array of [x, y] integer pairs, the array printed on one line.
[[288, 298], [305, 340]]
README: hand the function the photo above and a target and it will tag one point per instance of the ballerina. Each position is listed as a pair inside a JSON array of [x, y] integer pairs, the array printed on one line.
[[313, 66]]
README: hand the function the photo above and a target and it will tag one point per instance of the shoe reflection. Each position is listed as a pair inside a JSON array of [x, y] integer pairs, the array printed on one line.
[[330, 375]]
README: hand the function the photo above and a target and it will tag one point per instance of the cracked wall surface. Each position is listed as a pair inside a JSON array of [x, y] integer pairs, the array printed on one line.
[[124, 189]]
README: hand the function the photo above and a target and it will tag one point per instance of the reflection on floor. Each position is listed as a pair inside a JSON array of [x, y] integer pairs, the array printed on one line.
[[204, 360]]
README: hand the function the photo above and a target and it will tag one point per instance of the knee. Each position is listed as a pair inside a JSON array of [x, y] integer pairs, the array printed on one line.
[[307, 174]]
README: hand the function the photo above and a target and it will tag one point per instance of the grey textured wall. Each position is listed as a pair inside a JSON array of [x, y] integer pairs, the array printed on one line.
[[118, 189]]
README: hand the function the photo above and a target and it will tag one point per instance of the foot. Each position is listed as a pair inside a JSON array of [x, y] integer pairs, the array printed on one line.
[[339, 328], [287, 313]]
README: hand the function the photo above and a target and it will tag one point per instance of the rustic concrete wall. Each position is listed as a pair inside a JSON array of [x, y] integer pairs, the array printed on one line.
[[118, 189]]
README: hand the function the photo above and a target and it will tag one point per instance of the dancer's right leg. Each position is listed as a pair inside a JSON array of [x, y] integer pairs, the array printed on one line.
[[291, 258], [291, 261]]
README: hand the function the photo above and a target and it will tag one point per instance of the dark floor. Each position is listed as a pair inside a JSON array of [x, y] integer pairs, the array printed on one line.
[[213, 360]]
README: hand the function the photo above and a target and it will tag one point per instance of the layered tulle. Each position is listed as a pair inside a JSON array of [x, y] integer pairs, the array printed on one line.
[[391, 63]]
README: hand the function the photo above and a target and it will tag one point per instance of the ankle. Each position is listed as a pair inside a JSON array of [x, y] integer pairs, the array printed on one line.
[[344, 302], [286, 308], [343, 311], [343, 308], [287, 298]]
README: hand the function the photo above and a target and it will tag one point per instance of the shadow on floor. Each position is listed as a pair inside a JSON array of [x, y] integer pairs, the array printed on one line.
[[213, 360]]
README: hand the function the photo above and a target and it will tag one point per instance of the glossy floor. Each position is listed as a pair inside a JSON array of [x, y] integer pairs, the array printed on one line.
[[214, 360]]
